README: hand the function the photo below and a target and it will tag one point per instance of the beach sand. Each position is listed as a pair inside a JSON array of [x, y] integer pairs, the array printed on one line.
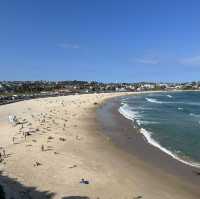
[[59, 142]]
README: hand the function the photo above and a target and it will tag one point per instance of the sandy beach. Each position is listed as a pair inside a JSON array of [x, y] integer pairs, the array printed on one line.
[[56, 149]]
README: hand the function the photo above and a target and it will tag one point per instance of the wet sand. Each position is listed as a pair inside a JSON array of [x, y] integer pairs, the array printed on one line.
[[125, 135]]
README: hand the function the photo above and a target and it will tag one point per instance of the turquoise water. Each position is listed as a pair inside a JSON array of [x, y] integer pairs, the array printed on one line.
[[169, 121]]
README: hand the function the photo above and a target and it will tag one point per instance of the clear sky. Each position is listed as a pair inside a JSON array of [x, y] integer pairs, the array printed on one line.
[[103, 40]]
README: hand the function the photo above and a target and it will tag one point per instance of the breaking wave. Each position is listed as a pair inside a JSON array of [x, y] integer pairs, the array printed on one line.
[[169, 96], [126, 111], [152, 100]]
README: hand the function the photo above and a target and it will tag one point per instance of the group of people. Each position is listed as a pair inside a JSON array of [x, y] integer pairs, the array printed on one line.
[[2, 155]]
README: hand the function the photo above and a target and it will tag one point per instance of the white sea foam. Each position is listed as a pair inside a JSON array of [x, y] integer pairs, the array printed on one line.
[[126, 111], [138, 122], [192, 103], [180, 108], [150, 140], [169, 96], [153, 100], [194, 115], [148, 122], [143, 108]]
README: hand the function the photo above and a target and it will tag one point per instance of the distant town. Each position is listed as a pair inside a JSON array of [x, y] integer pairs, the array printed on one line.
[[12, 91]]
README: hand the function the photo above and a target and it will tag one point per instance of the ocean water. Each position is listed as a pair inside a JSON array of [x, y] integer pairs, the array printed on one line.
[[169, 121]]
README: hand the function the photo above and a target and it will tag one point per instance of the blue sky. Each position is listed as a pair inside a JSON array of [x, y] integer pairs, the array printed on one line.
[[103, 40]]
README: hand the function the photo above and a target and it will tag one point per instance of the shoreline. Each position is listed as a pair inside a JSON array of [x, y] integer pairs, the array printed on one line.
[[71, 94], [76, 148], [153, 142], [128, 137]]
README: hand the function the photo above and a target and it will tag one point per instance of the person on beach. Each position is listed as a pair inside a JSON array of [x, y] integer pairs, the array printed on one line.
[[25, 135], [21, 127], [4, 153], [13, 140], [42, 147]]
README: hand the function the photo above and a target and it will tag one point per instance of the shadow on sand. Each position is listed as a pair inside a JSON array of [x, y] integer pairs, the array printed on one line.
[[10, 188]]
